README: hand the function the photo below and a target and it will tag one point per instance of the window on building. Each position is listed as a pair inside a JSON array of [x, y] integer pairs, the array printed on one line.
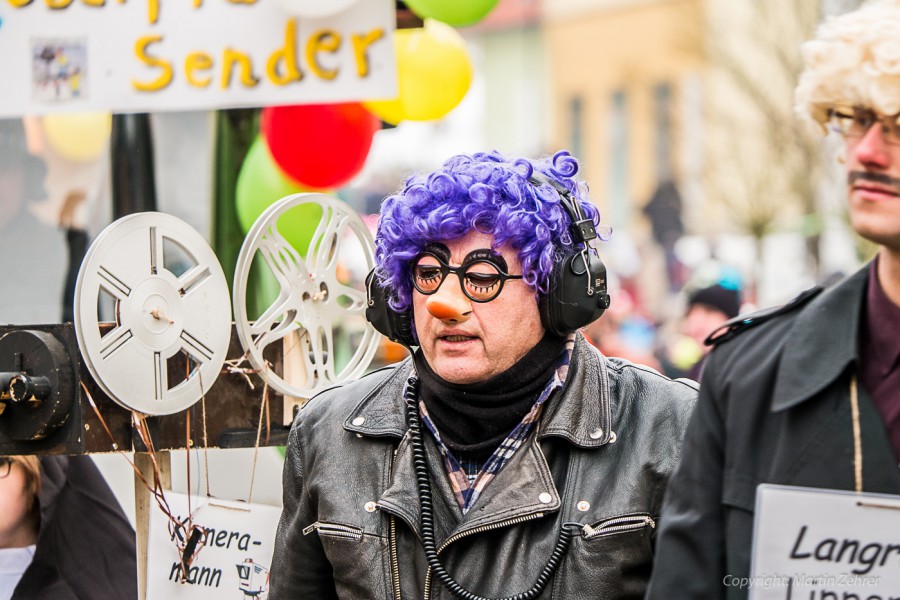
[[619, 206], [576, 127], [662, 108]]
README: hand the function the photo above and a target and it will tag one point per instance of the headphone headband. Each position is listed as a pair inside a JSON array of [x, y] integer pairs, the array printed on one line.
[[582, 227]]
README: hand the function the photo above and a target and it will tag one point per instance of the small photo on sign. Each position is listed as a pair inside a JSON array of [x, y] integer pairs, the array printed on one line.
[[59, 70]]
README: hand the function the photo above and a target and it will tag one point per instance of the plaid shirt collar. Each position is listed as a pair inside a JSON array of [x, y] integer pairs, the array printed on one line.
[[468, 483]]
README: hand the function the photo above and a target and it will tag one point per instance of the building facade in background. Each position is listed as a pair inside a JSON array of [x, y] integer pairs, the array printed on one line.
[[681, 111]]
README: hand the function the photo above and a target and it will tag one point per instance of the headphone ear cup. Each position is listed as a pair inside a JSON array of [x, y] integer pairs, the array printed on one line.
[[396, 326], [568, 306], [549, 317]]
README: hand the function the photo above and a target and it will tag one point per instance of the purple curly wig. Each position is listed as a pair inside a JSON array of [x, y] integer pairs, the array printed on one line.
[[484, 192]]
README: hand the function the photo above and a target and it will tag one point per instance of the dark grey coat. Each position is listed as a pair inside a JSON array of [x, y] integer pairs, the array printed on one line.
[[774, 408], [607, 442]]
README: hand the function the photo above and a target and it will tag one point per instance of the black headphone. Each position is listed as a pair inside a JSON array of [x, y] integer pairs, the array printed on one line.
[[578, 292]]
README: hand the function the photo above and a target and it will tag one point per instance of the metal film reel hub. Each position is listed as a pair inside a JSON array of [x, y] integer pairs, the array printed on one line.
[[313, 302], [170, 302]]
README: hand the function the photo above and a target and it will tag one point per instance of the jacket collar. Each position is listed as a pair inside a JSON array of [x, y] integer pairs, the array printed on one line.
[[822, 342], [581, 413], [382, 412]]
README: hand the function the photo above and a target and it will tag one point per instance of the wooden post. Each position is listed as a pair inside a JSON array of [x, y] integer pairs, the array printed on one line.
[[293, 347], [143, 504]]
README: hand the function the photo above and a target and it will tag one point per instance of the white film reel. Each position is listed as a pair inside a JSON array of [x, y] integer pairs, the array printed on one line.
[[170, 300], [314, 300]]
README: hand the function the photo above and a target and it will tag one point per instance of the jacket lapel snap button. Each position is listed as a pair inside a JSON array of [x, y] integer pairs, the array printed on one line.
[[359, 421], [370, 506], [596, 434], [545, 498], [583, 505]]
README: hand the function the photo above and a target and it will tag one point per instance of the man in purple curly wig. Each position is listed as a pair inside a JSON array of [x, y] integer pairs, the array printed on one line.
[[506, 457]]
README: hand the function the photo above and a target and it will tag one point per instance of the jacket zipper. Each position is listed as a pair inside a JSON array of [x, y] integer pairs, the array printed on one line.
[[618, 525], [395, 562], [480, 529], [334, 530]]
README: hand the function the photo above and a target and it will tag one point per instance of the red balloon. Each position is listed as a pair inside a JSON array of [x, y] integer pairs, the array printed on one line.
[[319, 145]]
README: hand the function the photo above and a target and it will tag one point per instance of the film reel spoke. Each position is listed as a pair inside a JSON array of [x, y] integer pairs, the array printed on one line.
[[314, 302], [140, 367], [283, 260], [322, 353], [193, 278], [276, 322], [326, 241], [113, 284], [352, 300], [271, 336], [114, 340], [278, 315], [200, 352], [160, 376], [156, 250]]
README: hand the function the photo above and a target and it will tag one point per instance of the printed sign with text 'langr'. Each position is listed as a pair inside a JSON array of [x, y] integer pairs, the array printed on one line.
[[813, 544]]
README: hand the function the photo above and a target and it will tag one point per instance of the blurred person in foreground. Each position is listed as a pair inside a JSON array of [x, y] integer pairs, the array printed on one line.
[[31, 252], [788, 393], [63, 535], [507, 456]]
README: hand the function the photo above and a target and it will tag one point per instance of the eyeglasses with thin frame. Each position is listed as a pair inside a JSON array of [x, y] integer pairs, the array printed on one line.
[[480, 280], [5, 466], [854, 122]]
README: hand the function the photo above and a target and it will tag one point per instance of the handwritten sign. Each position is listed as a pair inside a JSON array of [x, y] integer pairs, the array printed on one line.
[[233, 561], [813, 544], [155, 55]]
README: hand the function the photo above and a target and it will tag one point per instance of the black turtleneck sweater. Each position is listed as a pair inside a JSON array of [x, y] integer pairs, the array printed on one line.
[[474, 418]]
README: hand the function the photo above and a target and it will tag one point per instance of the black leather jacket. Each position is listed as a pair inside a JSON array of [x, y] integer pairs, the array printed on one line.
[[601, 457]]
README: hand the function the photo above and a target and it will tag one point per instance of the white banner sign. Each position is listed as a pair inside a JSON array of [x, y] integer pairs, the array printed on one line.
[[232, 564], [156, 55], [811, 544]]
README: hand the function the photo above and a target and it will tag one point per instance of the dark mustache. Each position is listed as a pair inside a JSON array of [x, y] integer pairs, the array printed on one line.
[[881, 178]]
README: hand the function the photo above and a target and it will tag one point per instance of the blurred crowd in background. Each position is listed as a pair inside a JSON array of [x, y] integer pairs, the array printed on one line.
[[709, 211]]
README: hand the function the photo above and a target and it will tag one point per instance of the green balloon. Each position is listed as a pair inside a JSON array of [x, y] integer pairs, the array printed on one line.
[[458, 13], [260, 184]]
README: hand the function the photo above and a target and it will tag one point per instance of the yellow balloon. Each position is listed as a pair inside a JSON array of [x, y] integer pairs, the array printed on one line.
[[389, 111], [79, 137], [434, 73]]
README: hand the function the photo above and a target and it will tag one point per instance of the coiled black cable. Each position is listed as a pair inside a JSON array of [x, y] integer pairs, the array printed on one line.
[[414, 423]]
